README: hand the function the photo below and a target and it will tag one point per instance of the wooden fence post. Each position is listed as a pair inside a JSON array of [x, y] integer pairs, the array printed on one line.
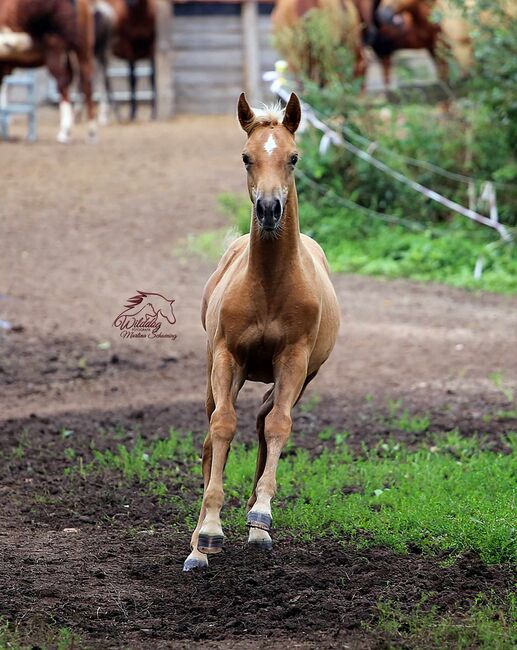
[[250, 37], [164, 63]]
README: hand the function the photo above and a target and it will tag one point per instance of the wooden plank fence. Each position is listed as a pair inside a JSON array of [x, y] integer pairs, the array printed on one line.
[[219, 49]]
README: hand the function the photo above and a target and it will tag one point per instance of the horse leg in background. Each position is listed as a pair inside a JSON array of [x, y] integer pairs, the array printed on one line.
[[386, 72], [360, 66], [86, 82], [154, 103], [132, 90], [226, 380], [112, 102], [104, 24], [58, 64], [290, 377], [105, 101], [257, 536], [439, 57]]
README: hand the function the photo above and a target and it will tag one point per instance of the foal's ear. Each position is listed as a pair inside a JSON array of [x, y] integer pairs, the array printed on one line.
[[245, 113], [293, 114]]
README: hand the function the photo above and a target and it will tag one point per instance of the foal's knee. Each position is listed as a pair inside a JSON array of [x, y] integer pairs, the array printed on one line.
[[277, 426], [223, 424]]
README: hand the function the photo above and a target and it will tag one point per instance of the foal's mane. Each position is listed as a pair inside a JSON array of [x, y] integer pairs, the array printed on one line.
[[267, 115]]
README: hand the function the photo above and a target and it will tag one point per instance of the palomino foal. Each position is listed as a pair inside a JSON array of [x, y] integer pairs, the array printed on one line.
[[271, 315]]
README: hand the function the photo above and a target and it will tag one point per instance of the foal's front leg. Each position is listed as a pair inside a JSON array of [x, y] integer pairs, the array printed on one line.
[[226, 381], [290, 376]]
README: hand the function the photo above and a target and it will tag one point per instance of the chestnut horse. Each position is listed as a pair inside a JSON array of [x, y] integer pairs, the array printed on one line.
[[129, 29], [344, 25], [48, 32], [271, 315], [409, 24]]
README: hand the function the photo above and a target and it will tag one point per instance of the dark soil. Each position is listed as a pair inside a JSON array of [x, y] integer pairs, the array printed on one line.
[[120, 584]]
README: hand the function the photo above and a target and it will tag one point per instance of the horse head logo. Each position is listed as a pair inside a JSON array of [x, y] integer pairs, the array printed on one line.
[[150, 304]]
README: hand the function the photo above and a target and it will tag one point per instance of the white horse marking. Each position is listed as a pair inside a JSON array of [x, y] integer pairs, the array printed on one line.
[[66, 121], [270, 145], [14, 43]]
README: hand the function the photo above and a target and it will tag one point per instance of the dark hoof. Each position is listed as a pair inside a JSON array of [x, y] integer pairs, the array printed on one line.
[[259, 520], [193, 563], [210, 543], [262, 544]]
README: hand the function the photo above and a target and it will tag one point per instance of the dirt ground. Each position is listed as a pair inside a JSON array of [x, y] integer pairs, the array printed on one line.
[[82, 228]]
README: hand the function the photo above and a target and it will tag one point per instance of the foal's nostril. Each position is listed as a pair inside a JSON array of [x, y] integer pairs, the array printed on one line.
[[277, 210]]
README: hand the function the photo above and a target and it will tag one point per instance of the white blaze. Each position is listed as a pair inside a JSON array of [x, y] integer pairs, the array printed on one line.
[[270, 145]]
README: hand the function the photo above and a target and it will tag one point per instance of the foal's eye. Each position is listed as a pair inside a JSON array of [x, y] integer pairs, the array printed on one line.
[[246, 159], [293, 159]]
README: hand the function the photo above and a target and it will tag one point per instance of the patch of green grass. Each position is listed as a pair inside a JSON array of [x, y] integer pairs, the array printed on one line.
[[498, 380], [327, 434], [490, 624], [143, 461], [434, 500], [36, 635], [400, 418], [507, 415], [209, 244], [452, 497]]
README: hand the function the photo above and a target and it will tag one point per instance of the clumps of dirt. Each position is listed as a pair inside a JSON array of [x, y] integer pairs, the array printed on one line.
[[130, 588], [30, 363]]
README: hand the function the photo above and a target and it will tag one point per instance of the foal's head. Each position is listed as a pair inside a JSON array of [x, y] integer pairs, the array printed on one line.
[[269, 156]]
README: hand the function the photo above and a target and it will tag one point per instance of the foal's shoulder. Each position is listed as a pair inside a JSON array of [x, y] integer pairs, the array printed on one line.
[[315, 250], [232, 252]]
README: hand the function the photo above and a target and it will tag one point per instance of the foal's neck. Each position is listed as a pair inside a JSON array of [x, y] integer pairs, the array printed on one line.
[[273, 255]]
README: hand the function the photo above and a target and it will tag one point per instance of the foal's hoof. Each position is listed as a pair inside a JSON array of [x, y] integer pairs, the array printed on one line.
[[194, 563], [261, 544], [210, 544], [259, 520], [260, 539]]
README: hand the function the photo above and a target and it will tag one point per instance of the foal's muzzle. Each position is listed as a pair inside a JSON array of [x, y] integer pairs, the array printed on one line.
[[269, 212]]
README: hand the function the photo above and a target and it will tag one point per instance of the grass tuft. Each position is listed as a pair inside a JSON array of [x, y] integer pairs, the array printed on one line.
[[490, 624]]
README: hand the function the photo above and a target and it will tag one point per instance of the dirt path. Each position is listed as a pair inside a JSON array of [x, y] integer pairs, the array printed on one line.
[[81, 229]]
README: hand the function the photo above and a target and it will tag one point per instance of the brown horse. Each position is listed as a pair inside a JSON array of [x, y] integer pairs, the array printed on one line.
[[271, 315], [344, 25], [48, 32], [409, 24], [130, 30]]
